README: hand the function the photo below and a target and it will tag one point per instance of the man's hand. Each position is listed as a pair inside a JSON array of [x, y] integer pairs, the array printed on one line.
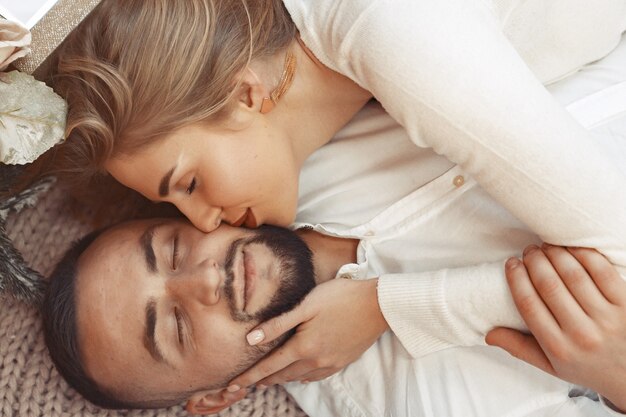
[[574, 304], [336, 322]]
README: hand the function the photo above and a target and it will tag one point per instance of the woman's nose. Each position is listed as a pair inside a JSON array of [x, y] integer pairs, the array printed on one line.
[[206, 220], [201, 284]]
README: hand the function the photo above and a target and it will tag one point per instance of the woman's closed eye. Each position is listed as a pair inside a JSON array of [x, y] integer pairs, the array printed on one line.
[[192, 186]]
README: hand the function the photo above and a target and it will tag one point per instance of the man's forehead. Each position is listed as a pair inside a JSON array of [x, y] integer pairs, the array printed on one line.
[[126, 234], [108, 298]]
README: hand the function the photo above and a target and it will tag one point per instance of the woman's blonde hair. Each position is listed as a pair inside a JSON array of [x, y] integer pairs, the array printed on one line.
[[136, 70]]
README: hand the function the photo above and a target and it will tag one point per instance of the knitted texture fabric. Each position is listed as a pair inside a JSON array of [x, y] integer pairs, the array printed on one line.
[[29, 383]]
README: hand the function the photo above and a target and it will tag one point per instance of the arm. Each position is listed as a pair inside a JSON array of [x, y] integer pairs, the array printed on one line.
[[470, 97]]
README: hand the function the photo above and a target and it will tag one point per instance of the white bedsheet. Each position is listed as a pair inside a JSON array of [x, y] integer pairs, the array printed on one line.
[[596, 96]]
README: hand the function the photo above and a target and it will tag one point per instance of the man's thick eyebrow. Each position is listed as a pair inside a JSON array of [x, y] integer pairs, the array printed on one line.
[[164, 185], [148, 251], [149, 340]]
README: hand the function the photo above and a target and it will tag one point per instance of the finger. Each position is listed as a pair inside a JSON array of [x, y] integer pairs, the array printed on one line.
[[577, 280], [555, 295], [531, 307], [235, 396], [294, 372], [522, 346], [276, 361], [603, 273], [274, 328]]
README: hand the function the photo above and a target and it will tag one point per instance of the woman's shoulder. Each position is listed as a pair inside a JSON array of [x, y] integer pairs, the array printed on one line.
[[329, 16]]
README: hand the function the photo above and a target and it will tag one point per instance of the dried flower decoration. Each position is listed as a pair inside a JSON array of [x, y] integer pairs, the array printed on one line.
[[14, 42], [32, 115], [32, 118]]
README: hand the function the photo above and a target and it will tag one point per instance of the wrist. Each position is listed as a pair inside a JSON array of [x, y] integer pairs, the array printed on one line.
[[382, 324]]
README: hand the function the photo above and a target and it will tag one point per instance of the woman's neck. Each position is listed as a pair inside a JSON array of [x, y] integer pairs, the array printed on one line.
[[317, 105]]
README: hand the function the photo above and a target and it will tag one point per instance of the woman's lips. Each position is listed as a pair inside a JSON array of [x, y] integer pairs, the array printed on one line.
[[250, 220], [240, 220], [247, 220]]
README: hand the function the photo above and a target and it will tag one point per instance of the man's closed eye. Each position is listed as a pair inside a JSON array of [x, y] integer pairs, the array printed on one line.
[[175, 253], [179, 325]]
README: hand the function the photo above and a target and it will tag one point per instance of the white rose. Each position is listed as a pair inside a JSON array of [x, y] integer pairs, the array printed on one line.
[[14, 42]]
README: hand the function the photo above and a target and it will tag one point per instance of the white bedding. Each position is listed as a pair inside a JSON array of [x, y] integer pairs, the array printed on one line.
[[596, 97]]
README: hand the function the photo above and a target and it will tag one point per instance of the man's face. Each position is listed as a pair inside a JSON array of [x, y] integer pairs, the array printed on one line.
[[163, 308]]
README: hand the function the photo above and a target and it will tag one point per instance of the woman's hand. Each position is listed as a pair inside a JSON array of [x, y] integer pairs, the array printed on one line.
[[336, 322], [574, 303]]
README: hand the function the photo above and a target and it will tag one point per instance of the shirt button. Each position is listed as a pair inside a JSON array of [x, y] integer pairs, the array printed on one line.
[[370, 233], [458, 181]]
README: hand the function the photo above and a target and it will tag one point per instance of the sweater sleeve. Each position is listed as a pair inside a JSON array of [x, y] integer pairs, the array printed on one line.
[[448, 74], [431, 311]]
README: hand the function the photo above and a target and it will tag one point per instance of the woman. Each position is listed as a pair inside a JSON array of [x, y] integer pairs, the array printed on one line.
[[215, 105]]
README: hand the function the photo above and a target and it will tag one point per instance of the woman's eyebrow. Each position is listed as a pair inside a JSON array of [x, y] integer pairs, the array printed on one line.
[[164, 185]]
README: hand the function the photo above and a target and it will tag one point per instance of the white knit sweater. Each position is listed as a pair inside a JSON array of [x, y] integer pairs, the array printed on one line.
[[450, 72]]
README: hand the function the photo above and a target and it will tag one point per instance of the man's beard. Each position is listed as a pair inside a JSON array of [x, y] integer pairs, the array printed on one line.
[[297, 276], [297, 279]]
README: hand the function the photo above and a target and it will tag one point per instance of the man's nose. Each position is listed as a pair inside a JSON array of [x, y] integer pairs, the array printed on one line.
[[201, 284]]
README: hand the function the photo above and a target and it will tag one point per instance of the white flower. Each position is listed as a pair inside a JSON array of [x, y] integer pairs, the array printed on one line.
[[14, 42]]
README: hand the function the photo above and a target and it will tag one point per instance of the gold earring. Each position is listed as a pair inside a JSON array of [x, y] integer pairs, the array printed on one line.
[[286, 79]]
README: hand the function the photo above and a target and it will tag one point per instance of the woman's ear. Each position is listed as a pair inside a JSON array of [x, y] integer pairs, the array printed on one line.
[[214, 401], [252, 91], [248, 100]]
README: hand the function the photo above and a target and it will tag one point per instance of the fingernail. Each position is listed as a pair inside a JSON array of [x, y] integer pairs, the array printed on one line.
[[512, 263], [255, 337], [530, 249], [233, 388], [261, 386]]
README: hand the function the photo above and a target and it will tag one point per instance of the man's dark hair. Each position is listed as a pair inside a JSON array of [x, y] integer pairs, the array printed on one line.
[[60, 327], [61, 334]]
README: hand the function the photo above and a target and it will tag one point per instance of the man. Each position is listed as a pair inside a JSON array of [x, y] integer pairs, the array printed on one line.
[[153, 313]]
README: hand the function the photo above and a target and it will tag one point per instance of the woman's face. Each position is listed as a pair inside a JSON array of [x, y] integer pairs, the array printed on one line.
[[212, 174]]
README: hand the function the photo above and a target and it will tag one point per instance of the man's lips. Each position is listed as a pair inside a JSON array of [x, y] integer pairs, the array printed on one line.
[[245, 277], [249, 277], [239, 279]]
